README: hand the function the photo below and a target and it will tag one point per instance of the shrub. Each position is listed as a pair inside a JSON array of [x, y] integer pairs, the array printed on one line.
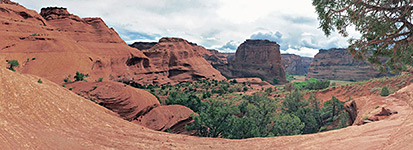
[[385, 91], [100, 80], [13, 63], [80, 76], [40, 81]]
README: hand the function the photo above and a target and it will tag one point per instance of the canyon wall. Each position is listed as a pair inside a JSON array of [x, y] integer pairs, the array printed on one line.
[[296, 65], [338, 64]]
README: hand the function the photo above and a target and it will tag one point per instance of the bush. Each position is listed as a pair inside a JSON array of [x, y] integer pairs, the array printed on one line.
[[80, 76], [39, 81], [100, 80], [385, 91], [13, 63], [189, 100]]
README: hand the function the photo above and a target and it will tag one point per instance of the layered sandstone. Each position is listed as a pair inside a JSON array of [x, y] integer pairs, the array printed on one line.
[[338, 64], [135, 105], [295, 65], [56, 44], [258, 58], [176, 60]]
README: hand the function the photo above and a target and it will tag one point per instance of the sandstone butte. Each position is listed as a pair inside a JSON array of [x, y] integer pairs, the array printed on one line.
[[46, 116], [55, 44], [338, 64], [253, 58], [176, 60], [296, 65]]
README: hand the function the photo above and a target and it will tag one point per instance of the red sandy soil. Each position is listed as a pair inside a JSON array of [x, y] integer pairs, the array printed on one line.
[[360, 89], [46, 116]]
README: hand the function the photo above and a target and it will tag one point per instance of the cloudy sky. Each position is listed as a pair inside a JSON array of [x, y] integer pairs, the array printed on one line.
[[214, 24]]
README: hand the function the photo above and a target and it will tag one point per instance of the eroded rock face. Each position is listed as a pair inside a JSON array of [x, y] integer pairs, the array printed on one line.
[[176, 60], [172, 118], [130, 103], [296, 65], [338, 64], [53, 13], [258, 58], [143, 45], [8, 2], [135, 105], [56, 44]]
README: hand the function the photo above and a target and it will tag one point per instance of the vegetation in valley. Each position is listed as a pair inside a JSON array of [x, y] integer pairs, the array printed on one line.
[[236, 110]]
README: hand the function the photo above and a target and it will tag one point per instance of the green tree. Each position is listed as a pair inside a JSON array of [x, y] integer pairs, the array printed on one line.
[[13, 63], [262, 110], [293, 101], [287, 124], [241, 128], [189, 100], [331, 110], [385, 28], [385, 91], [215, 120]]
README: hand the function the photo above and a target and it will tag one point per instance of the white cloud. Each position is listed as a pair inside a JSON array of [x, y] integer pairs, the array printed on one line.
[[214, 23], [302, 51]]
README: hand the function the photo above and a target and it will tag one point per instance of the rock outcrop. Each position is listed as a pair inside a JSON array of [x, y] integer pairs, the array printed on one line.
[[171, 118], [130, 103], [338, 64], [135, 105], [295, 65], [143, 45], [176, 60], [258, 58], [55, 44]]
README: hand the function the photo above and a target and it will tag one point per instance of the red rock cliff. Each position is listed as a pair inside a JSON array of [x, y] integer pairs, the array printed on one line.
[[258, 58], [338, 64], [176, 60], [296, 65]]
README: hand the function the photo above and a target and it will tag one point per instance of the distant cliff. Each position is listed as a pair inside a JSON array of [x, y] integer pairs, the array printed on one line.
[[296, 65], [338, 64]]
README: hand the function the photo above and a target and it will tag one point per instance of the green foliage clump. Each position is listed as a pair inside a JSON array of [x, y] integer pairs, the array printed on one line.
[[39, 81], [13, 63], [385, 91], [80, 76], [289, 77], [189, 100], [312, 84], [214, 121]]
